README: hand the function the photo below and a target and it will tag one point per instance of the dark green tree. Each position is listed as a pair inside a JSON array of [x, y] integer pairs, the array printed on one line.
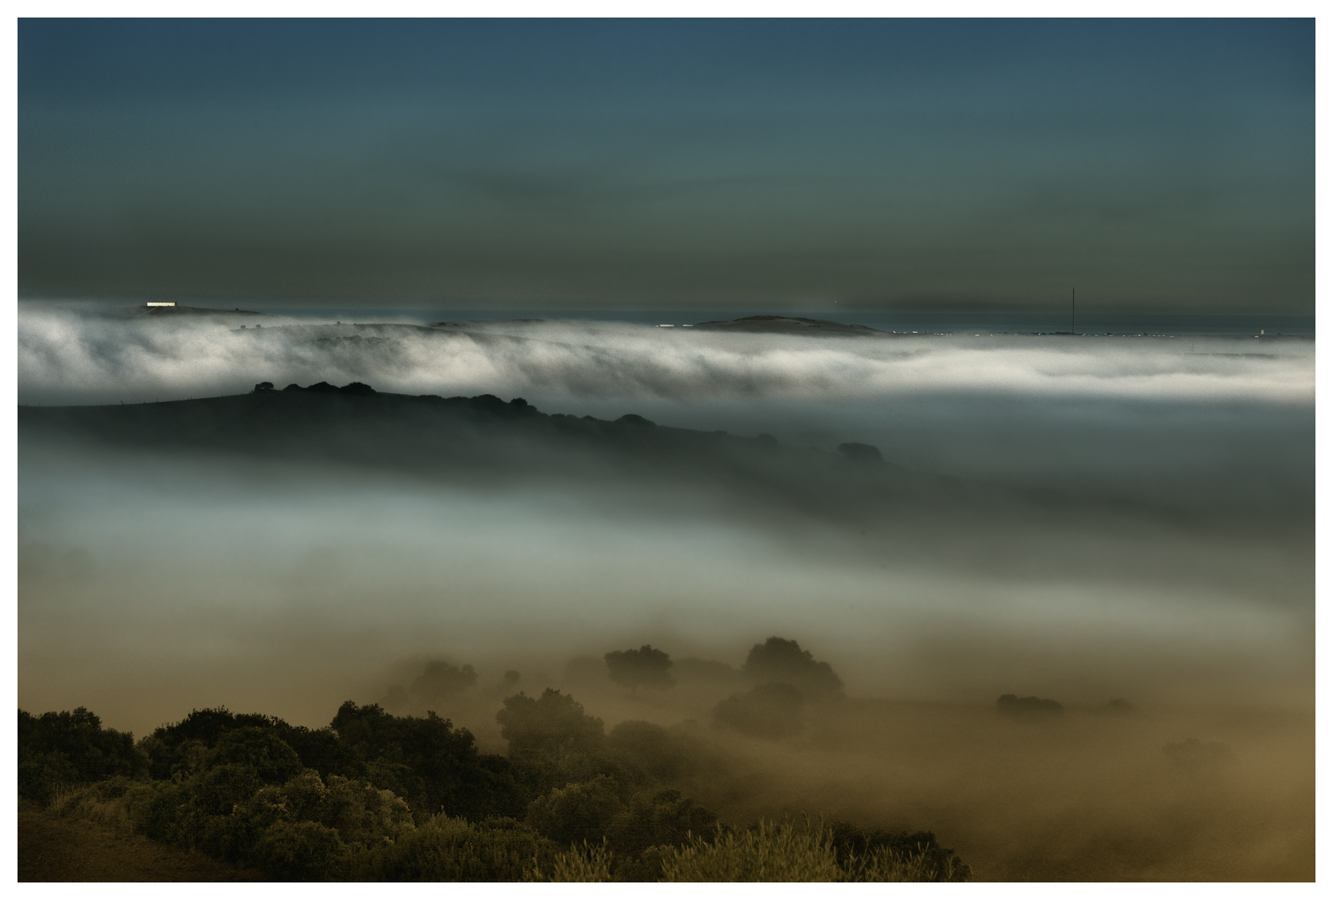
[[551, 724], [576, 812], [781, 660], [644, 666], [441, 681], [657, 818], [428, 763], [69, 748]]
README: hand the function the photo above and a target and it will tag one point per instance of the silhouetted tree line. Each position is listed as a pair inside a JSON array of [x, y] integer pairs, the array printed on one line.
[[366, 796], [376, 796]]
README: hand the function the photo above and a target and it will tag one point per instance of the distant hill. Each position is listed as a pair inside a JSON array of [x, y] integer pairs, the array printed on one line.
[[470, 440], [790, 325], [167, 312]]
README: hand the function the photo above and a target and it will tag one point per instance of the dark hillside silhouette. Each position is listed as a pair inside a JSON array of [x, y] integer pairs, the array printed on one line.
[[791, 325], [483, 437]]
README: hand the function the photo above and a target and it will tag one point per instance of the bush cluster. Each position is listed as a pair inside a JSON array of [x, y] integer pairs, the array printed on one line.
[[68, 748], [374, 796]]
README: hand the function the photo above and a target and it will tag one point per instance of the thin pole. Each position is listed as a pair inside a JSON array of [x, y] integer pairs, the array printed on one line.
[[1071, 312]]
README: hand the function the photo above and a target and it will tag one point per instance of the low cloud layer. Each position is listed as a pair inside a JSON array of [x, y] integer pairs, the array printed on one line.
[[70, 357], [1121, 517]]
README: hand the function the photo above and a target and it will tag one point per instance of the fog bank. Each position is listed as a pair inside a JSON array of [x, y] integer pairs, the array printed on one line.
[[1117, 517]]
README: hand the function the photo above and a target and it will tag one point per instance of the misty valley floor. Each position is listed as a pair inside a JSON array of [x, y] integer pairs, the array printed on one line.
[[1085, 521]]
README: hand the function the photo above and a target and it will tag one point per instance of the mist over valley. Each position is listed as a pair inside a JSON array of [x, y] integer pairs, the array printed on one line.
[[1121, 519]]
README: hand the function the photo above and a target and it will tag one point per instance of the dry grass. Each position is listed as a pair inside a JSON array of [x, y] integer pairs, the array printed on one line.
[[768, 852], [586, 862], [83, 803]]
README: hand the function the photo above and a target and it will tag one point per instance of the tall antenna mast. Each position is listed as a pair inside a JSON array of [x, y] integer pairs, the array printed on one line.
[[1071, 311]]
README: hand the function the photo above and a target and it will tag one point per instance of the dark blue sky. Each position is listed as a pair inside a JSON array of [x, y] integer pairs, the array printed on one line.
[[1160, 165]]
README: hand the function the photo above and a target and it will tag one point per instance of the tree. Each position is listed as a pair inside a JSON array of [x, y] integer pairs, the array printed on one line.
[[441, 681], [644, 666], [576, 812], [778, 659], [71, 747], [657, 818], [553, 723], [427, 762]]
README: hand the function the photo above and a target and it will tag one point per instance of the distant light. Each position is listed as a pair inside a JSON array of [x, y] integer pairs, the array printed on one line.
[[161, 303], [666, 326]]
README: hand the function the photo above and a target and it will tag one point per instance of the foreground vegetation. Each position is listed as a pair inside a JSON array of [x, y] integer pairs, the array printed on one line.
[[379, 797]]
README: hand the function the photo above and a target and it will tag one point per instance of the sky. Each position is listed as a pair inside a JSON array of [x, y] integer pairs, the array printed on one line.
[[1160, 166]]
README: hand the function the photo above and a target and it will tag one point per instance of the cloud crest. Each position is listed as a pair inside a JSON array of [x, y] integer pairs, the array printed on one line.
[[69, 357]]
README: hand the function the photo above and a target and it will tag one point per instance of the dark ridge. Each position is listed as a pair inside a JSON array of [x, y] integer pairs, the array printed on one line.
[[355, 388], [187, 311], [788, 325], [473, 440], [861, 453]]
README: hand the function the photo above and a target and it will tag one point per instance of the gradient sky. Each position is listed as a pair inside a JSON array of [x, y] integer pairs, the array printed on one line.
[[1160, 165]]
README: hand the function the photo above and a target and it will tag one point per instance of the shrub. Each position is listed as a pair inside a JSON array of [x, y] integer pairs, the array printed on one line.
[[428, 763], [100, 802], [767, 852], [576, 812], [586, 862], [69, 748], [183, 748], [662, 818], [881, 853], [447, 849], [361, 813], [300, 851], [260, 749], [217, 791], [886, 864], [158, 811], [787, 851]]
